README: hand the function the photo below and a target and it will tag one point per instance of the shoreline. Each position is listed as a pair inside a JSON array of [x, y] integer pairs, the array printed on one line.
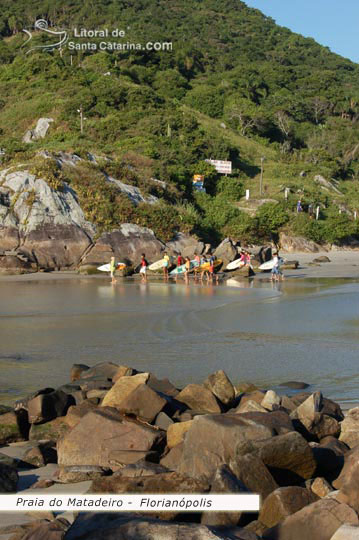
[[344, 264]]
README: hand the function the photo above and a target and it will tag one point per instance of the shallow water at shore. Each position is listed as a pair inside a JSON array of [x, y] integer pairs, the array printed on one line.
[[303, 330]]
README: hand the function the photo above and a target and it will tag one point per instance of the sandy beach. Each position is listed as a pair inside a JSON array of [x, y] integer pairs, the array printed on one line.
[[343, 264]]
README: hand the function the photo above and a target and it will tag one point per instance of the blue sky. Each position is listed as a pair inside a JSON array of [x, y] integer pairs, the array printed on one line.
[[334, 23]]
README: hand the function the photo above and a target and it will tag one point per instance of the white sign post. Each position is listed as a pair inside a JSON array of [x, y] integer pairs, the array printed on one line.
[[247, 194], [317, 213], [223, 167]]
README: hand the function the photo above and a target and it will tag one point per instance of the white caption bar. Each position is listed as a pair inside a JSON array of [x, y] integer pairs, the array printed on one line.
[[131, 503]]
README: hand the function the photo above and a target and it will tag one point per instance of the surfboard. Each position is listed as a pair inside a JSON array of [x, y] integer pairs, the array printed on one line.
[[106, 267], [156, 265], [181, 269], [269, 264], [205, 266], [235, 264]]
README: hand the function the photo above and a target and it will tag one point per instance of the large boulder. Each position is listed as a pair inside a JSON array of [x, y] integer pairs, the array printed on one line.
[[278, 421], [126, 243], [89, 526], [176, 433], [40, 130], [106, 370], [253, 474], [199, 398], [289, 457], [142, 402], [220, 385], [350, 428], [295, 244], [187, 245], [111, 439], [11, 264], [212, 440], [311, 416], [224, 481], [284, 502], [319, 520], [122, 389], [46, 407], [51, 227], [226, 251], [348, 480]]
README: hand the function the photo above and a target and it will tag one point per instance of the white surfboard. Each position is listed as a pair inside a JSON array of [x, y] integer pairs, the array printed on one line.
[[269, 264], [234, 264], [156, 265], [106, 267]]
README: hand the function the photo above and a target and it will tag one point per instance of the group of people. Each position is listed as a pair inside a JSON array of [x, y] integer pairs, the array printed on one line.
[[188, 267]]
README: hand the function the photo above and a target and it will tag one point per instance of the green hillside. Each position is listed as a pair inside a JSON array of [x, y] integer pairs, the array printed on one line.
[[234, 86]]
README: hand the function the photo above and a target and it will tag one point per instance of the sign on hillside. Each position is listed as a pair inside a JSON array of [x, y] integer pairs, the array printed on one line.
[[223, 167]]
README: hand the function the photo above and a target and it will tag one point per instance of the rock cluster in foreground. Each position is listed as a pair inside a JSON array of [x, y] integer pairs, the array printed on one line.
[[129, 432]]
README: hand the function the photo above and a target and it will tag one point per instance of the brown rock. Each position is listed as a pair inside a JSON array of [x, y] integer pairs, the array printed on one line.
[[133, 527], [199, 398], [77, 371], [321, 487], [284, 502], [76, 412], [164, 386], [289, 457], [256, 395], [212, 441], [46, 407], [319, 521], [80, 473], [278, 421], [224, 481], [141, 468], [271, 400], [105, 370], [167, 482], [122, 371], [220, 385], [163, 421], [122, 389], [176, 433], [48, 530], [348, 480], [43, 483], [109, 436], [249, 405], [252, 472], [40, 454], [142, 402], [350, 428], [173, 458], [287, 404]]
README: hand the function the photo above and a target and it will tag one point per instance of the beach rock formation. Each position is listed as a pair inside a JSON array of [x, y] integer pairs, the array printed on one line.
[[144, 435], [39, 132]]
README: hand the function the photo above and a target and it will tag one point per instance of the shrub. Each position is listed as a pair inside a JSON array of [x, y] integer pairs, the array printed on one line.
[[161, 218], [271, 216]]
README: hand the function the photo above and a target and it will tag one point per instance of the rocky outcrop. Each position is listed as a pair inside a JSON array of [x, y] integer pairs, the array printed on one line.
[[226, 251], [126, 243], [293, 244], [187, 245], [47, 226], [39, 132]]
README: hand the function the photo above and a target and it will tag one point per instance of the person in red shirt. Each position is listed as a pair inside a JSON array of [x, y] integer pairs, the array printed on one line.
[[180, 260], [143, 269]]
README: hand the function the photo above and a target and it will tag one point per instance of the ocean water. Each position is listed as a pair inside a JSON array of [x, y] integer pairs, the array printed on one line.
[[306, 330]]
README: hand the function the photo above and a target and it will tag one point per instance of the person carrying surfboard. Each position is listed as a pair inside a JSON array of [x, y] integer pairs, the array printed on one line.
[[188, 268], [166, 263], [143, 269], [113, 269], [180, 260], [276, 274], [211, 268]]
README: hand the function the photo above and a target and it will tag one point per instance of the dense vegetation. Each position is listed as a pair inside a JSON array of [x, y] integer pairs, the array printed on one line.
[[235, 86]]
